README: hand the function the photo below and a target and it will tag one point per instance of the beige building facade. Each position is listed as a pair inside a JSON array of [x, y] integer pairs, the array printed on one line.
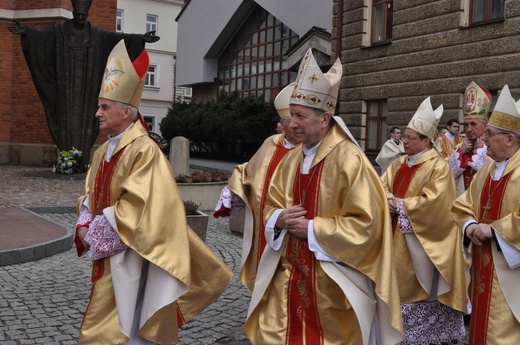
[[397, 53]]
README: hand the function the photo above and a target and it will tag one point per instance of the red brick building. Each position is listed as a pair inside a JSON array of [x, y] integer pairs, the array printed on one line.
[[24, 135]]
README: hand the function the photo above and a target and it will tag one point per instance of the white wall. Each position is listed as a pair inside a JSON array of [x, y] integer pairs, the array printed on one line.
[[155, 100], [199, 26]]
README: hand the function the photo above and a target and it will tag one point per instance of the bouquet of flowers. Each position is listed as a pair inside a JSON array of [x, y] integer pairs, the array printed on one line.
[[69, 161]]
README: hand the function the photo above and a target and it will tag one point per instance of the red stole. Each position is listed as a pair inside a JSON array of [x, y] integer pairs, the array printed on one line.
[[101, 200], [101, 196], [482, 268], [467, 175], [278, 154], [469, 172], [403, 177], [303, 319]]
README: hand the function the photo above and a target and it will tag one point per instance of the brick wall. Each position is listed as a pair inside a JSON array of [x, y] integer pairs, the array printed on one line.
[[21, 113], [41, 4], [5, 87]]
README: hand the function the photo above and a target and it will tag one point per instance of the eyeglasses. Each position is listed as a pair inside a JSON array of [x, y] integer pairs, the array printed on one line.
[[409, 138], [490, 134]]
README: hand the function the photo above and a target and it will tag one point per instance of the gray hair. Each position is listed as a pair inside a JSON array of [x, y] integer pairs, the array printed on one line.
[[517, 136], [133, 109]]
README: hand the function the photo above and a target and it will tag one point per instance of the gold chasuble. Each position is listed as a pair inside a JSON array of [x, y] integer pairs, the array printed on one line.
[[250, 181], [427, 190], [298, 299], [445, 146], [389, 152], [179, 274], [495, 296]]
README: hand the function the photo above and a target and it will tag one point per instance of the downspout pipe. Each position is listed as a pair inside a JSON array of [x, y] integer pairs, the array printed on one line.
[[339, 27]]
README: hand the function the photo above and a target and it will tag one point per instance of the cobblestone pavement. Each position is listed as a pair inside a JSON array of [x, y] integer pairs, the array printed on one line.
[[43, 302]]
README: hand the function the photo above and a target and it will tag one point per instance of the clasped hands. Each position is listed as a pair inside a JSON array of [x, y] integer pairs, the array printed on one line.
[[478, 233], [469, 145], [293, 219], [82, 232], [392, 203]]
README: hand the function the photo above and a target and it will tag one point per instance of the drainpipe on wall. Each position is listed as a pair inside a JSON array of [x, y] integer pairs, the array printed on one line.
[[174, 77], [339, 25]]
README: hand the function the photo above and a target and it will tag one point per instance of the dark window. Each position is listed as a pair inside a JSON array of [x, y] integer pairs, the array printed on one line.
[[382, 20], [150, 121], [376, 130], [483, 11], [254, 62]]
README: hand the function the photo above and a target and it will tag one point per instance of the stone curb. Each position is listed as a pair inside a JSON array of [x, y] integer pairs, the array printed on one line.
[[40, 250]]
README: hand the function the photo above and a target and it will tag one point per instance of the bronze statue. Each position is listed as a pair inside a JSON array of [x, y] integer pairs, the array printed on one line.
[[67, 62]]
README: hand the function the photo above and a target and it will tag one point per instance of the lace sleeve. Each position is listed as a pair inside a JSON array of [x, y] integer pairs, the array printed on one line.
[[85, 217], [223, 207], [479, 158], [228, 204], [103, 239], [402, 220], [456, 163]]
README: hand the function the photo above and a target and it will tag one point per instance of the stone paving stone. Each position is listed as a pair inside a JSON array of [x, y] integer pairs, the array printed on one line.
[[42, 302]]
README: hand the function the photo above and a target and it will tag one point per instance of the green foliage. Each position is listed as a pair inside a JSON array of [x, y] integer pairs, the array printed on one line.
[[220, 124]]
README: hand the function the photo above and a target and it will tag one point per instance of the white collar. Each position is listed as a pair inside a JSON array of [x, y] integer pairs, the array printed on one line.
[[411, 159], [450, 136], [499, 168], [113, 141], [287, 144], [312, 150], [309, 156]]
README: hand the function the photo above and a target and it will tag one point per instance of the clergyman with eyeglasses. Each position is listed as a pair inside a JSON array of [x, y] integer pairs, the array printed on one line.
[[427, 244], [488, 214]]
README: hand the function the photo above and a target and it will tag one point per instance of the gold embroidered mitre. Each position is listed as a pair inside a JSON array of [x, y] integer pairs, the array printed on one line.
[[477, 101], [425, 120], [281, 102], [123, 80], [314, 88], [505, 114]]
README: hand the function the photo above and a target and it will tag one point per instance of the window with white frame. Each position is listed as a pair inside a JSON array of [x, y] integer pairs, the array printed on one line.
[[187, 92], [382, 20], [151, 22], [119, 20], [150, 121], [152, 76], [483, 11]]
